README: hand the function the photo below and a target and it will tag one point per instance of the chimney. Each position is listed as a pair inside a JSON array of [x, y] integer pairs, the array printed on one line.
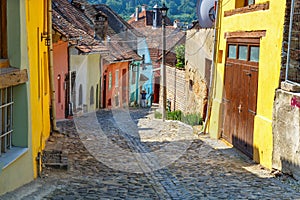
[[101, 26], [176, 23], [136, 14], [155, 16], [144, 7]]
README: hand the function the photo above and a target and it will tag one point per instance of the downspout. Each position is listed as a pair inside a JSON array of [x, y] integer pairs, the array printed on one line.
[[137, 83], [70, 103], [51, 70], [212, 72]]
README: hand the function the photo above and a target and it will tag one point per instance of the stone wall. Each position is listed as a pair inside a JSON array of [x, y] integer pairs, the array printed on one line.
[[176, 88], [294, 66], [198, 55], [286, 132], [286, 113]]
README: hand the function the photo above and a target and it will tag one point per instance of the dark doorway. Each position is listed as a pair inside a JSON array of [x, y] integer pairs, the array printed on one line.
[[104, 91]]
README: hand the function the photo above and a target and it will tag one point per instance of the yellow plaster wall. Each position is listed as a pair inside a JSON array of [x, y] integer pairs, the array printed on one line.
[[93, 78], [38, 76], [272, 21]]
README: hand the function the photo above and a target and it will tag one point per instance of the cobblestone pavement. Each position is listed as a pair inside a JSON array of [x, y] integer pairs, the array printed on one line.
[[115, 154]]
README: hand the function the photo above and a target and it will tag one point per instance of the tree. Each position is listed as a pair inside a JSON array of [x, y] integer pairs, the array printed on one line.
[[180, 56], [183, 10]]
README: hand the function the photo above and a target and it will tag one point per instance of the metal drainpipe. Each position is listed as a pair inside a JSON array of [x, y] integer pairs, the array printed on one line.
[[214, 53], [289, 41], [51, 70], [137, 83]]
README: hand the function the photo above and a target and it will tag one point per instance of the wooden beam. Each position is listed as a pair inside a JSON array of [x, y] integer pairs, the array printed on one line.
[[247, 9], [245, 34], [12, 76]]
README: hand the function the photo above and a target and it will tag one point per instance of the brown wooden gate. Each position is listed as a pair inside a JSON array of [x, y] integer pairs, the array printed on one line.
[[240, 93]]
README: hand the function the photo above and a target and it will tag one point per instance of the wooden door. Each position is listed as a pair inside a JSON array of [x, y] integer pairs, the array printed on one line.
[[239, 97]]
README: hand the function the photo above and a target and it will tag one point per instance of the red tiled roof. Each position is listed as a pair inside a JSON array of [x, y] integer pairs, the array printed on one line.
[[146, 19], [117, 45], [77, 21], [86, 43]]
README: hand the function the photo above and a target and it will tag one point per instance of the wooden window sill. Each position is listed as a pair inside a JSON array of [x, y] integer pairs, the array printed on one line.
[[4, 63], [247, 9], [10, 76]]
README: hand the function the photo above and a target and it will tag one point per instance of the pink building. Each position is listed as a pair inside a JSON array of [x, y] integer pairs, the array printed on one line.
[[60, 65]]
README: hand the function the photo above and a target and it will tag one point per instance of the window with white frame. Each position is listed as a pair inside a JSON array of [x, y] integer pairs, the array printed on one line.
[[6, 126]]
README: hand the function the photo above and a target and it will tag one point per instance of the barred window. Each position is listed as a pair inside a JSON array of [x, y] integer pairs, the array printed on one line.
[[6, 112]]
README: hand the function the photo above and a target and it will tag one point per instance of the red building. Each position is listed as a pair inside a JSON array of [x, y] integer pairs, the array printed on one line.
[[115, 84], [60, 65]]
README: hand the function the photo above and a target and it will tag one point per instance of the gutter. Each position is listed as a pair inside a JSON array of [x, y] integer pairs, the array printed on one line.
[[212, 72], [51, 70]]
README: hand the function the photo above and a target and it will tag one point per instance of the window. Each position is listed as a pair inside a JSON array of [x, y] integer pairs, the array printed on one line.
[[92, 96], [59, 88], [232, 51], [243, 3], [117, 78], [243, 52], [133, 77], [254, 54], [6, 109], [110, 80], [249, 2], [80, 95]]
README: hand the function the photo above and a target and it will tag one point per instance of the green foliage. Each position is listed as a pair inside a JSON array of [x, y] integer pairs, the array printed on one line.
[[174, 115], [192, 119], [183, 10], [180, 56], [157, 115]]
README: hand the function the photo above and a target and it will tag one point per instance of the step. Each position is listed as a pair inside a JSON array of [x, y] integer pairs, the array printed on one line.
[[4, 63]]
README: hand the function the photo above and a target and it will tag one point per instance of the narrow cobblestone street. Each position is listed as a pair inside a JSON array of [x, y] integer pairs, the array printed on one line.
[[121, 154]]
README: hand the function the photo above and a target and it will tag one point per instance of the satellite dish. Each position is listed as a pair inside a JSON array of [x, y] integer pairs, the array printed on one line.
[[206, 13]]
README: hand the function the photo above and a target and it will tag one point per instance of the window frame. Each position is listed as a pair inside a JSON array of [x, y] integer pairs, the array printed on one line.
[[249, 42], [3, 32]]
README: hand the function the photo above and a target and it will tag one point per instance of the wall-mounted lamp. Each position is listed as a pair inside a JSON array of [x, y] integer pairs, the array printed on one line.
[[47, 39], [134, 67]]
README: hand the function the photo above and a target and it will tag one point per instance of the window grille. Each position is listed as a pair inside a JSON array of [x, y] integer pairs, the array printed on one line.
[[6, 112]]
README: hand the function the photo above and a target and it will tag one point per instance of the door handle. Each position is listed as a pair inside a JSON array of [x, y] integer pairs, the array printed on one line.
[[240, 108], [248, 74]]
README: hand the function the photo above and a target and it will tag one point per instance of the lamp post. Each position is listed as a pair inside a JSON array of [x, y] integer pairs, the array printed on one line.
[[163, 11]]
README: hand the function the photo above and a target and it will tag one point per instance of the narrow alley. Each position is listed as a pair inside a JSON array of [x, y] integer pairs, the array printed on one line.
[[127, 154]]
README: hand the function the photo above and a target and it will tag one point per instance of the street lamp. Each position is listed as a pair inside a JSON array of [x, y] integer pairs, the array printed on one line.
[[163, 11]]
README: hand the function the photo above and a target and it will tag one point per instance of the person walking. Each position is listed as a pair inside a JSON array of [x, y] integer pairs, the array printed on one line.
[[143, 98]]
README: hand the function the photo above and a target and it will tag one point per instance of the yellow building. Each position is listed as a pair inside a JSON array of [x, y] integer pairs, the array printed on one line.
[[24, 90], [247, 72], [38, 37]]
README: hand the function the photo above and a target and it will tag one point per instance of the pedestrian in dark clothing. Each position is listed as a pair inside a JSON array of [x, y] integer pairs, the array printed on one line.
[[143, 98]]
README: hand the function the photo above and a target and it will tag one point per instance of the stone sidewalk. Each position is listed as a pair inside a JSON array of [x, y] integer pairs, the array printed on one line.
[[121, 154]]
